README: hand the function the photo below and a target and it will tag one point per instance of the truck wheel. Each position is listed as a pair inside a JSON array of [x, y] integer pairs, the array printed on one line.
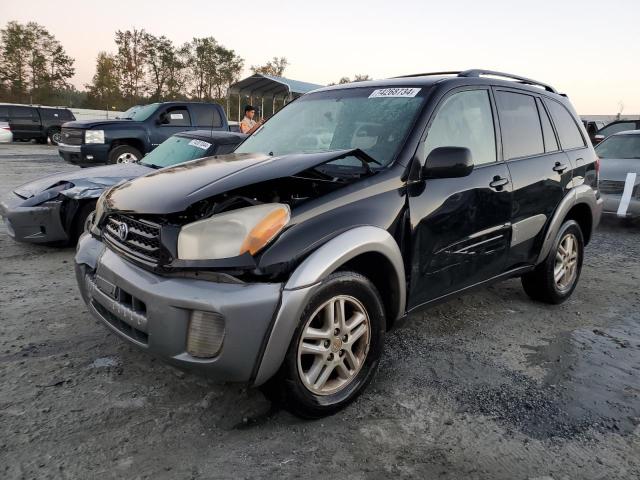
[[554, 280], [335, 350], [55, 137], [124, 154]]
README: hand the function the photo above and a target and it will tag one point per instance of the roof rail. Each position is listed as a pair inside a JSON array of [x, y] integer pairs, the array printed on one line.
[[478, 72], [428, 74]]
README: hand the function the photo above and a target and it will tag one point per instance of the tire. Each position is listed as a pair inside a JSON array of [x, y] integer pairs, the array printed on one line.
[[541, 284], [124, 154], [350, 365], [55, 137], [77, 227]]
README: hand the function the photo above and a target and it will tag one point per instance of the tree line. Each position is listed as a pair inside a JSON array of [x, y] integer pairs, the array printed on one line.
[[143, 68]]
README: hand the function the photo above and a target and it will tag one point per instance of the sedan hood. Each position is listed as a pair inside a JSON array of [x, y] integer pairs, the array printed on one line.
[[616, 169], [173, 189], [84, 180]]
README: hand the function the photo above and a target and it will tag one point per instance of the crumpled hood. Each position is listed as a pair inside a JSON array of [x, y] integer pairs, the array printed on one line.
[[173, 189], [616, 169], [84, 179], [86, 124]]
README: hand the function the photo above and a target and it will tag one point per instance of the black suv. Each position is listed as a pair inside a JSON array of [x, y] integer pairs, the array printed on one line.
[[138, 131], [284, 264], [35, 123]]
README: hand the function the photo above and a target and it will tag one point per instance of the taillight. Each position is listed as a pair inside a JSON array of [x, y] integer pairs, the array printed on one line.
[[597, 169]]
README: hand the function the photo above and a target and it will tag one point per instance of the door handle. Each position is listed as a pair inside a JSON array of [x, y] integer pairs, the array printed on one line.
[[560, 167], [498, 182]]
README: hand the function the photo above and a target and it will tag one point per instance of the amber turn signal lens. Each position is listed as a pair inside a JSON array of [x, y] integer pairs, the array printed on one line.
[[265, 230]]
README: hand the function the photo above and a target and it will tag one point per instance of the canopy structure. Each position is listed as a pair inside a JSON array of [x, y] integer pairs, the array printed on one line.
[[261, 86]]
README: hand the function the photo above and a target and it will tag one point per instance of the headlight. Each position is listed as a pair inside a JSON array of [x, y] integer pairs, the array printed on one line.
[[94, 136], [98, 214], [232, 233]]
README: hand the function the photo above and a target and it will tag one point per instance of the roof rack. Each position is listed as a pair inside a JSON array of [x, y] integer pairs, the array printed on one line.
[[477, 73]]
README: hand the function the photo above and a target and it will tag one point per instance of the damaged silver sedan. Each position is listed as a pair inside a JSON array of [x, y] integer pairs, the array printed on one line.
[[54, 209]]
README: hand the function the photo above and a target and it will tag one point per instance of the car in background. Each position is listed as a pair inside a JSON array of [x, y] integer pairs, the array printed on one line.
[[592, 127], [615, 127], [30, 122], [136, 132], [620, 174], [54, 209], [6, 135]]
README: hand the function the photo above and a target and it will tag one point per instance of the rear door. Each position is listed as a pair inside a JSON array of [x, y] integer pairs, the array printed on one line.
[[460, 226], [539, 170], [25, 122], [169, 121]]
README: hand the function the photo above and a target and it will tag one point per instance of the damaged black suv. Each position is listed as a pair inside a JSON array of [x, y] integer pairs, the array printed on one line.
[[283, 264]]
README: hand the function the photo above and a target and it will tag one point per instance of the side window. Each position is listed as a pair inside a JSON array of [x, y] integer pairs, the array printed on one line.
[[23, 113], [568, 132], [550, 142], [465, 120], [617, 127], [520, 125], [4, 113], [177, 117], [206, 115]]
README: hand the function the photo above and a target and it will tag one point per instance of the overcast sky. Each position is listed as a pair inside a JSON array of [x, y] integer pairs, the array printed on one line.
[[587, 49]]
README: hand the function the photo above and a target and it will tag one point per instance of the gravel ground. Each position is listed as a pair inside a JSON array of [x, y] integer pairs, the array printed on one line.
[[488, 385]]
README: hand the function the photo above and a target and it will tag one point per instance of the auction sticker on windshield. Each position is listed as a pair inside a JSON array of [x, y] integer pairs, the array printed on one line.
[[394, 92], [199, 144]]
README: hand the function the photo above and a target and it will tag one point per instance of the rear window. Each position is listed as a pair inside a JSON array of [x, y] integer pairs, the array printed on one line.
[[520, 125], [619, 146], [206, 116], [568, 131], [176, 150]]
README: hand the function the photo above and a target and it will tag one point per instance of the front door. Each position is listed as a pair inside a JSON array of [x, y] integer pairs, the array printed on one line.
[[460, 226], [169, 121]]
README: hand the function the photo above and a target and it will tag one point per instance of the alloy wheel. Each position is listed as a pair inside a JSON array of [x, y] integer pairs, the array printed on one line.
[[334, 345], [126, 157], [566, 266]]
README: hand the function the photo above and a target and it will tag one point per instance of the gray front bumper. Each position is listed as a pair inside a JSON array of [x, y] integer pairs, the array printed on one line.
[[612, 202], [39, 224], [162, 326]]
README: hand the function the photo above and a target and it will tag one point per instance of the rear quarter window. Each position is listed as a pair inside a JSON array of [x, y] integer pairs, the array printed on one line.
[[568, 131]]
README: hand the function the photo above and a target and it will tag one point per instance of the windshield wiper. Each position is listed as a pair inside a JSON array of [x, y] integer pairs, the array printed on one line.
[[151, 165]]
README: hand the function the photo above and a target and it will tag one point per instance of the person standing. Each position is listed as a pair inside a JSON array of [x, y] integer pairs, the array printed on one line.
[[248, 125]]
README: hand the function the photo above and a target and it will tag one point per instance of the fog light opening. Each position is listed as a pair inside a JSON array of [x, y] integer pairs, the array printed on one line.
[[206, 334]]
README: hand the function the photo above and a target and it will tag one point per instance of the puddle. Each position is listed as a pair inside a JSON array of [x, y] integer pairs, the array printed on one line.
[[596, 372], [104, 362]]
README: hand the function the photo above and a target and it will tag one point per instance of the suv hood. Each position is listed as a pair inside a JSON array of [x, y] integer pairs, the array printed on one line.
[[87, 124], [174, 189], [84, 179]]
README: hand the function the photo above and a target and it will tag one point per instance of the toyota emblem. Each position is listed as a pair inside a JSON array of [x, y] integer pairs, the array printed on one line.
[[123, 231]]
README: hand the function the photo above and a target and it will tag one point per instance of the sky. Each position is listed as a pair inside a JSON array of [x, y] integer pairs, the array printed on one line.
[[584, 48]]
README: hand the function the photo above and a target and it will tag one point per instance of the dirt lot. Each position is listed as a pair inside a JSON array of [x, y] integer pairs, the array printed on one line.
[[489, 385]]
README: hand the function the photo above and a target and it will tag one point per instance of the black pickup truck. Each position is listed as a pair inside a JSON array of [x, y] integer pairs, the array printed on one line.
[[138, 131], [29, 122]]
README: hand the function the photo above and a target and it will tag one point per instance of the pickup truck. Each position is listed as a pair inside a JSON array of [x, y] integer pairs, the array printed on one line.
[[137, 132]]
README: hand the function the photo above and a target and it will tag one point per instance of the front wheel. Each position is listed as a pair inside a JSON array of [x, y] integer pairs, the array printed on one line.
[[124, 154], [55, 136], [335, 350], [554, 280]]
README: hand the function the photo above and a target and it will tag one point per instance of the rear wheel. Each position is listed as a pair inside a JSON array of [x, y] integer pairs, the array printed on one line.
[[124, 154], [554, 280], [335, 350]]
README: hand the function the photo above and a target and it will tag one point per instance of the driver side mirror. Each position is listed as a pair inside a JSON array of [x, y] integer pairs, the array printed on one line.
[[448, 162]]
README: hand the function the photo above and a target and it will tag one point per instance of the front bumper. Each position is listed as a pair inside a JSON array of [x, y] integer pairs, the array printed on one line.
[[39, 224], [85, 155], [153, 312], [612, 203]]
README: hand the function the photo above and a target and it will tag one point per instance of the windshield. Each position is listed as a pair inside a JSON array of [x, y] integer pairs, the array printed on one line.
[[376, 121], [139, 113], [619, 146], [176, 150]]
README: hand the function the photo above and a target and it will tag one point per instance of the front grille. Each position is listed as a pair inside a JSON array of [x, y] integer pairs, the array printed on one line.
[[611, 187], [72, 136], [142, 241]]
